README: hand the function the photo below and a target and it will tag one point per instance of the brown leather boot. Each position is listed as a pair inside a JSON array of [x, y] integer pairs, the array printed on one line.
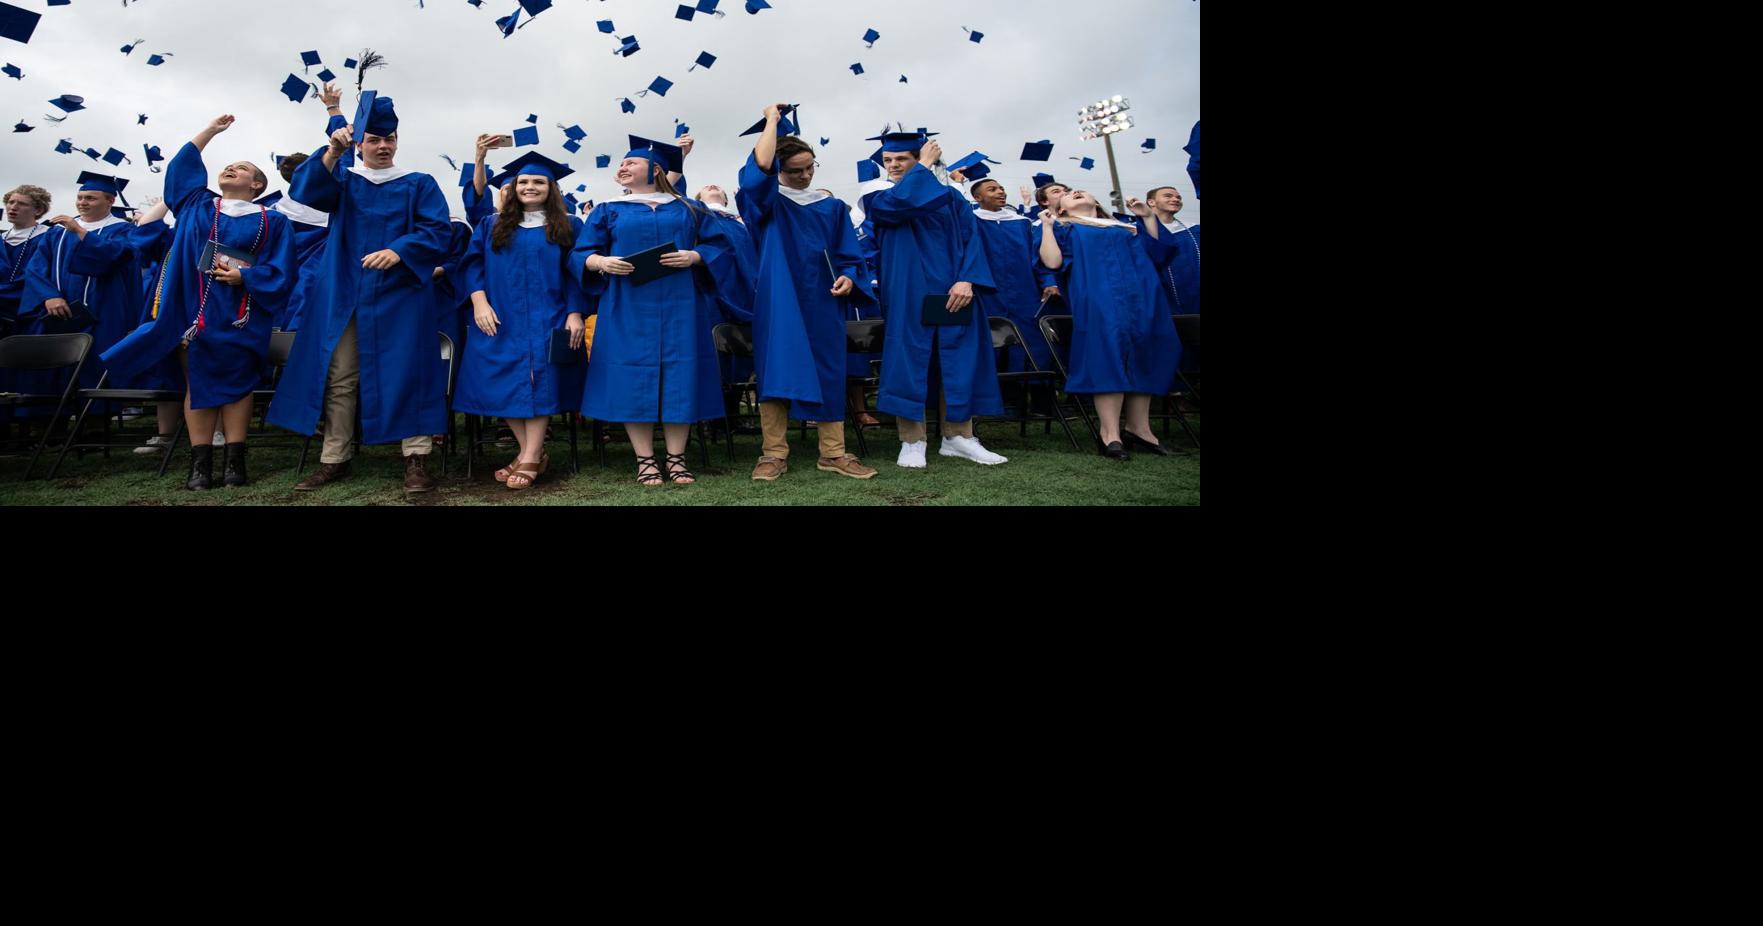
[[416, 477], [323, 476]]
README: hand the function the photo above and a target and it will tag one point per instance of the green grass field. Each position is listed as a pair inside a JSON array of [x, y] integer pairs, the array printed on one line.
[[1043, 470]]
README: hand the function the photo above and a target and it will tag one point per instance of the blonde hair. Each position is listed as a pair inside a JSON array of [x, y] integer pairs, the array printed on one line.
[[38, 196]]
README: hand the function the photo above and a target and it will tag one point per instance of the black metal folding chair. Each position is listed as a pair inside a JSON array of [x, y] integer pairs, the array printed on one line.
[[1006, 335], [44, 352]]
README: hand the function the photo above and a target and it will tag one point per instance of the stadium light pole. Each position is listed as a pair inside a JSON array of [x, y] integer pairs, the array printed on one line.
[[1105, 119]]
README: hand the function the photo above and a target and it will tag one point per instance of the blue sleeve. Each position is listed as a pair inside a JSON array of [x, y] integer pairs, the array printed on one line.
[[595, 237], [758, 192], [271, 280], [1161, 248], [151, 240], [975, 268], [848, 255], [576, 297], [723, 257], [917, 195], [333, 124], [99, 254], [186, 180], [473, 269], [316, 187], [425, 247], [41, 273]]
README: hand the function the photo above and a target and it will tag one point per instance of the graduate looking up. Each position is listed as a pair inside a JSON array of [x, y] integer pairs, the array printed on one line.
[[1124, 349], [368, 339], [931, 262], [1023, 285], [653, 358], [810, 263], [516, 270]]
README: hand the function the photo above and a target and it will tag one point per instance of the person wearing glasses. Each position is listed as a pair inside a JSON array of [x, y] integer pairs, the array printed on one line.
[[810, 264]]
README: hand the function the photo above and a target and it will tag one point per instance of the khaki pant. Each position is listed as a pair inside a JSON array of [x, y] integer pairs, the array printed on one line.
[[911, 432], [774, 423], [342, 392]]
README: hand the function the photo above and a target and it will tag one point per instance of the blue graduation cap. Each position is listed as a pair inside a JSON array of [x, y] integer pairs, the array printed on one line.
[[374, 115], [327, 75], [294, 89], [23, 127], [824, 141], [973, 166], [1042, 180], [130, 47], [581, 188], [574, 132], [668, 156], [535, 7], [628, 46], [973, 36], [1149, 146], [709, 6], [154, 157], [157, 60], [685, 12], [12, 71], [61, 147], [784, 125], [754, 6], [526, 135], [1038, 151], [903, 141], [604, 160], [572, 146], [1193, 150], [571, 203], [349, 64], [114, 157], [140, 118], [606, 26], [869, 38], [309, 58], [532, 119], [857, 69], [507, 23], [68, 103], [17, 23], [680, 129], [101, 183], [659, 85], [705, 59], [626, 105], [92, 153], [1086, 163], [903, 79], [534, 164]]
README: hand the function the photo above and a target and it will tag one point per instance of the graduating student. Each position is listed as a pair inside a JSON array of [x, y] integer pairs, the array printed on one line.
[[1124, 349], [653, 357], [930, 247], [215, 313], [152, 240], [25, 208], [1180, 271], [83, 275], [368, 339], [522, 291], [809, 264], [1023, 284]]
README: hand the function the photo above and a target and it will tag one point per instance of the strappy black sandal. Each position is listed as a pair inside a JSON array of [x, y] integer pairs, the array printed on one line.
[[683, 476], [648, 473]]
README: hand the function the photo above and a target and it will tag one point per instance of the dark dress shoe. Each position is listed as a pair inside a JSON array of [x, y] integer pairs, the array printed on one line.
[[1138, 443], [201, 467], [234, 475], [326, 474], [1115, 451]]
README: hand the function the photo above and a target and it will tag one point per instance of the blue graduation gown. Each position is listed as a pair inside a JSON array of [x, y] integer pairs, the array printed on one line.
[[798, 325], [225, 357], [1122, 339], [452, 296], [653, 358], [929, 241], [1179, 268], [736, 369], [309, 241], [100, 271], [529, 285], [403, 392], [12, 273], [1020, 277], [152, 241]]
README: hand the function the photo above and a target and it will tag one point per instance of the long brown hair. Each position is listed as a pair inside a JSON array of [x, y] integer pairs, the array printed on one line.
[[557, 228], [664, 185]]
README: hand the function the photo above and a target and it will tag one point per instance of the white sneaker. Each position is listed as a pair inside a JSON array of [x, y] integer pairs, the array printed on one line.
[[220, 438], [154, 444], [968, 448], [912, 455]]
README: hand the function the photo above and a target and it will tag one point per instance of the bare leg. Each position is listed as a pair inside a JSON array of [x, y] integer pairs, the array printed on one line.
[[235, 420], [1138, 417], [1108, 412]]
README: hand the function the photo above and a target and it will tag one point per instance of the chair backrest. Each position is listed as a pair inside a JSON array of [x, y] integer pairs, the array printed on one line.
[[44, 351], [866, 336], [732, 339], [281, 347], [1057, 331], [446, 346]]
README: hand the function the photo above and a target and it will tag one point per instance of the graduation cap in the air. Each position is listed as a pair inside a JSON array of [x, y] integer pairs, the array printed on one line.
[[1193, 150], [606, 26], [973, 167], [157, 60], [659, 85], [17, 23], [294, 88], [508, 23], [154, 157], [1149, 146], [531, 163], [309, 59], [115, 158], [784, 125], [857, 69], [869, 38], [1085, 163], [535, 7], [705, 59], [68, 103], [12, 71], [22, 126], [64, 146], [685, 12], [1042, 180], [754, 6], [627, 106], [709, 6], [140, 118], [680, 129], [130, 47], [628, 46], [973, 35], [327, 75], [670, 157], [1038, 150], [349, 64], [573, 132], [526, 135]]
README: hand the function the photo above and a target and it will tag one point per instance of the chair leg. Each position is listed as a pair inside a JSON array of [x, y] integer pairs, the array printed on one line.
[[305, 449], [72, 436], [575, 456], [165, 458]]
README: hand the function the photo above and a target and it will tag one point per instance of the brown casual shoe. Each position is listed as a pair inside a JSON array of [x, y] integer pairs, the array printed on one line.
[[847, 465], [769, 469], [416, 477], [324, 476]]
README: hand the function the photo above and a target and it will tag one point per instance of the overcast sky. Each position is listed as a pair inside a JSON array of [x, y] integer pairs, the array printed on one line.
[[452, 75]]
